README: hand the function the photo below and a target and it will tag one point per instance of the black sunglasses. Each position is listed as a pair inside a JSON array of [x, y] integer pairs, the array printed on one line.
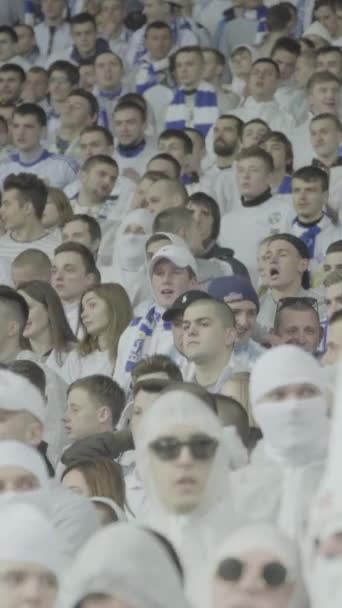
[[231, 570], [284, 302], [201, 447]]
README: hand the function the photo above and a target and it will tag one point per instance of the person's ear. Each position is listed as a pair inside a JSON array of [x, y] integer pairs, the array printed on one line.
[[34, 433], [103, 414], [13, 329]]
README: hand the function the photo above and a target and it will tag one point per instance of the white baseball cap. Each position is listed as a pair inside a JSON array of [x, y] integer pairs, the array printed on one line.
[[18, 394], [179, 256]]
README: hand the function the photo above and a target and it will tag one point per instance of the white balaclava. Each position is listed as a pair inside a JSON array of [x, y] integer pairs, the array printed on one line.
[[26, 535], [129, 249], [294, 430], [16, 454]]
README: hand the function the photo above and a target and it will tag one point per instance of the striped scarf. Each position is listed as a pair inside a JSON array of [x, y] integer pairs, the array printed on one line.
[[145, 327], [205, 110]]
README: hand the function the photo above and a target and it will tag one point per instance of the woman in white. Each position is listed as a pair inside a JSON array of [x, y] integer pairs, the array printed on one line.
[[182, 461], [105, 312], [129, 256], [256, 567]]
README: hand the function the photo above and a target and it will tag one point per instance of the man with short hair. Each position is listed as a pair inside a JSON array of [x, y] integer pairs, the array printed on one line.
[[79, 110], [214, 67], [208, 339], [329, 58], [291, 99], [8, 48], [86, 45], [172, 271], [132, 151], [220, 178], [31, 265], [164, 194], [261, 102], [22, 208], [73, 271], [334, 340], [297, 322], [195, 101], [333, 258], [108, 85], [12, 82], [178, 143], [85, 229], [53, 33], [28, 127], [323, 98], [36, 87], [239, 294], [333, 292], [259, 210], [27, 45], [287, 269], [325, 135], [166, 164], [94, 405], [95, 141], [311, 224], [63, 77], [154, 68]]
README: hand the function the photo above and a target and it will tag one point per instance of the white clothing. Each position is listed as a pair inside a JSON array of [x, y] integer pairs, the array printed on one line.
[[158, 98], [212, 14], [329, 234], [185, 37], [335, 190], [56, 170], [137, 162], [61, 38], [9, 248], [221, 185], [270, 112], [72, 313], [5, 272], [293, 101], [77, 366], [17, 60], [250, 225], [122, 192], [303, 151]]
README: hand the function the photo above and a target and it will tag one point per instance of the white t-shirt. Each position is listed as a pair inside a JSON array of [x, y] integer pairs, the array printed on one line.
[[10, 248], [77, 366], [56, 170]]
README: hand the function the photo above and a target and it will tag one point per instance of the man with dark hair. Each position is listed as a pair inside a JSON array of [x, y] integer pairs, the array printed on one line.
[[36, 87], [26, 45], [132, 151], [219, 180], [325, 135], [63, 78], [53, 33], [311, 224], [79, 111], [73, 271], [333, 258], [85, 229], [297, 322], [31, 265], [154, 68], [165, 163], [261, 102], [109, 86], [12, 81], [8, 48], [287, 277], [333, 292], [28, 129], [334, 340], [213, 71], [329, 58], [22, 208], [258, 212]]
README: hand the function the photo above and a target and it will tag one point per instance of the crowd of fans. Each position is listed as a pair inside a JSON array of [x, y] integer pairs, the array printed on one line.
[[170, 303]]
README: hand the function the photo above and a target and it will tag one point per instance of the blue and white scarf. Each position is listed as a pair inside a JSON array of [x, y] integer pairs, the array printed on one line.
[[145, 327], [205, 110], [307, 234], [151, 73]]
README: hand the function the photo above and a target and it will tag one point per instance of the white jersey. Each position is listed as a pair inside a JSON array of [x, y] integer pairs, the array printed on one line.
[[10, 248], [136, 160], [221, 184], [77, 366], [303, 151], [60, 40], [56, 170], [243, 229], [269, 111]]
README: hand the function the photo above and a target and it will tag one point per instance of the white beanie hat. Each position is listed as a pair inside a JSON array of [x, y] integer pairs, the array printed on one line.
[[16, 454], [179, 256], [282, 366], [18, 394], [26, 535]]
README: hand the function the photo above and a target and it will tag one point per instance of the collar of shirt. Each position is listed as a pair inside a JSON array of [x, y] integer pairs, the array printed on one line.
[[130, 151], [318, 163], [258, 200]]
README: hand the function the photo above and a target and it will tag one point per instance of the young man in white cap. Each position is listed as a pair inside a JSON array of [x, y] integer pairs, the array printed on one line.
[[23, 413], [289, 403], [172, 271], [31, 561]]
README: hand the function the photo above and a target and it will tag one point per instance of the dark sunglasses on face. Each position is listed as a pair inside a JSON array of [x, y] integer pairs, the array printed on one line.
[[273, 573], [201, 447]]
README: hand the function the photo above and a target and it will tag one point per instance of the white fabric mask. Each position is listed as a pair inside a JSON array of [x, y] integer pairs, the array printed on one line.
[[293, 429], [325, 583], [132, 251]]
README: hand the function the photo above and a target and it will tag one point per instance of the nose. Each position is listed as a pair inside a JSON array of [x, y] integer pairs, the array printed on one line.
[[251, 581], [185, 457], [31, 592]]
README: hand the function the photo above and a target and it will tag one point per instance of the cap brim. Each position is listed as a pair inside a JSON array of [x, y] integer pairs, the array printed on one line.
[[172, 313]]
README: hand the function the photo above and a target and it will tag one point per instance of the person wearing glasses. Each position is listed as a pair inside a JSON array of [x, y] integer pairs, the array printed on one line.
[[288, 393], [287, 259], [182, 461], [297, 322], [256, 561]]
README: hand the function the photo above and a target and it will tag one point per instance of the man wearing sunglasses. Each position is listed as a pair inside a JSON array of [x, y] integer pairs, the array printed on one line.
[[288, 396]]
